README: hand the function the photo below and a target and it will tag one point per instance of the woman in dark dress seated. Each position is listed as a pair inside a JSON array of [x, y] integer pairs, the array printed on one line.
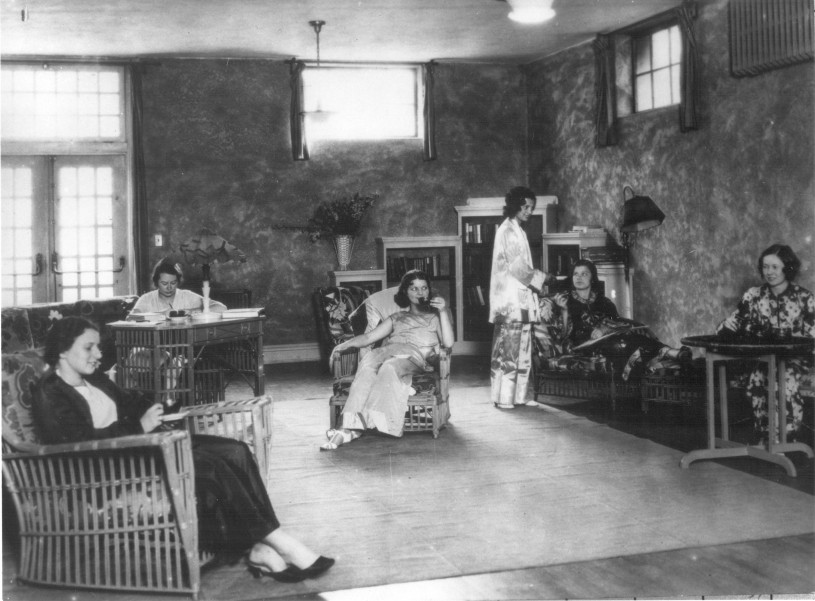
[[584, 323], [74, 401]]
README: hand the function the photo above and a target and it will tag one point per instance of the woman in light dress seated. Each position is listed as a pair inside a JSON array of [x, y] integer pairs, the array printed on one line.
[[380, 390]]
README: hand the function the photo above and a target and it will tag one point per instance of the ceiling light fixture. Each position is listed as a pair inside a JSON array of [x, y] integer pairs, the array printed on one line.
[[530, 11], [317, 26]]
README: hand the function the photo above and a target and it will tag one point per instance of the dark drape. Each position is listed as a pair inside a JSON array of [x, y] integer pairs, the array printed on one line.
[[297, 116], [429, 111], [140, 224], [689, 77], [604, 92]]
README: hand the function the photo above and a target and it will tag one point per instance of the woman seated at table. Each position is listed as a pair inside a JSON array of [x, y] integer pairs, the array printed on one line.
[[380, 390], [778, 308], [167, 277], [75, 402], [586, 322]]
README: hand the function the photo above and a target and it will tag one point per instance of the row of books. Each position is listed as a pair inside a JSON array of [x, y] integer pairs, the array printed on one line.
[[476, 265], [474, 296], [396, 267], [480, 233]]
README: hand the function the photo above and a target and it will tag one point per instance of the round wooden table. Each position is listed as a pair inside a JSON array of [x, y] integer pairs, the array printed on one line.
[[719, 349]]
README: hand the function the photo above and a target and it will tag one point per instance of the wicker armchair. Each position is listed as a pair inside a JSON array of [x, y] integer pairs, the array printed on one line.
[[118, 513], [428, 409]]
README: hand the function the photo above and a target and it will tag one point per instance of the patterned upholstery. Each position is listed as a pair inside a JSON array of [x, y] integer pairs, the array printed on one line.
[[333, 307], [16, 330], [20, 371]]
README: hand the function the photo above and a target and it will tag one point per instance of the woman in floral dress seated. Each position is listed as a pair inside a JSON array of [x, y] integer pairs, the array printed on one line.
[[780, 308], [380, 390]]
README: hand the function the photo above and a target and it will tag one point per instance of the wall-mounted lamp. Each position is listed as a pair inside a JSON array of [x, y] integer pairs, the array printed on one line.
[[530, 11], [639, 213]]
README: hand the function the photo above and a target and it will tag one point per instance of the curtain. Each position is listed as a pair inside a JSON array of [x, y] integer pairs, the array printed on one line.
[[140, 223], [429, 111], [604, 92], [689, 76], [297, 117]]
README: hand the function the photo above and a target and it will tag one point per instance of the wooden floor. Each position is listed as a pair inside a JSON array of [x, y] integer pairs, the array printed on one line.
[[774, 566]]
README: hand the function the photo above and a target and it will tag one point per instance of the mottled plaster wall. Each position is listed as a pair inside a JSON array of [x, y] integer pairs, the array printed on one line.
[[217, 153], [729, 190]]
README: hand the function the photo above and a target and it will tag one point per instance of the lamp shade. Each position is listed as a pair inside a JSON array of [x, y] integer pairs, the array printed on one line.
[[640, 213]]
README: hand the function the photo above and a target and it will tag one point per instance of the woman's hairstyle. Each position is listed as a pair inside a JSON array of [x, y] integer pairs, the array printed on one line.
[[515, 200], [62, 335], [401, 297], [792, 264], [595, 279], [168, 267]]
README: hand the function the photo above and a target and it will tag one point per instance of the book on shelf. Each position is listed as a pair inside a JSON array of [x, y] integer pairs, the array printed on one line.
[[396, 267], [243, 312], [588, 229]]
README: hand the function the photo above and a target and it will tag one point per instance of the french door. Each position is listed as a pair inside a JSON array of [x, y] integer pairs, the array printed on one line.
[[64, 228]]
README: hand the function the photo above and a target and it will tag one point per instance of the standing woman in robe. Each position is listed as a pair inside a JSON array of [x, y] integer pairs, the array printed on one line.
[[513, 304]]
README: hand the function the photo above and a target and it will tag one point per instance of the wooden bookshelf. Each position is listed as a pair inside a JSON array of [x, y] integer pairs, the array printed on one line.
[[438, 256]]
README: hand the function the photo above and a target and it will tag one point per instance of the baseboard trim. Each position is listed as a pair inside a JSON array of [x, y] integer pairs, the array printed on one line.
[[310, 351]]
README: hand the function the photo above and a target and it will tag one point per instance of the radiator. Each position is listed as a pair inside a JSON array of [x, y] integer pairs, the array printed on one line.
[[768, 34]]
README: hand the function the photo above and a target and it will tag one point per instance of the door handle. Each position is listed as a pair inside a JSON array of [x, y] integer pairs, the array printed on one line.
[[55, 265], [38, 264]]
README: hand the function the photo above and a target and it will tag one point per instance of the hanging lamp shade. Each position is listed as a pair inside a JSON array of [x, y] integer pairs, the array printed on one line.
[[640, 213], [530, 11]]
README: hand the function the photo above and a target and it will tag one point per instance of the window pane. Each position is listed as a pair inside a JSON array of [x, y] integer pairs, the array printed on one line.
[[642, 55], [46, 103], [662, 88], [361, 103], [643, 100], [676, 45], [69, 295], [661, 48]]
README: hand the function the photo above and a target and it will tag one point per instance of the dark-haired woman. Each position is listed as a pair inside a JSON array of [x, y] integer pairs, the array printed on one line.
[[167, 277], [74, 402], [587, 314], [378, 395], [513, 304], [781, 306]]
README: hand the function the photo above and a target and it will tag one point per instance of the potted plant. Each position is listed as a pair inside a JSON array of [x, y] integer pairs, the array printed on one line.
[[340, 221]]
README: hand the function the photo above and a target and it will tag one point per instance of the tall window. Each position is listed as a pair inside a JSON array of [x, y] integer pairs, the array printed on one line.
[[362, 103], [65, 213], [657, 59]]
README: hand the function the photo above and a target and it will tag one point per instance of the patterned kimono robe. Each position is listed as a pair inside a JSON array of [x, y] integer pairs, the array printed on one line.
[[513, 309], [759, 311]]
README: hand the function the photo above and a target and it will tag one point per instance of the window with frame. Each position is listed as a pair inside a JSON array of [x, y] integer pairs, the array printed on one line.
[[65, 212], [362, 103], [656, 64]]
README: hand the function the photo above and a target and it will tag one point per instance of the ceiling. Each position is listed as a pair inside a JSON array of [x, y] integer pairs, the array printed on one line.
[[355, 30]]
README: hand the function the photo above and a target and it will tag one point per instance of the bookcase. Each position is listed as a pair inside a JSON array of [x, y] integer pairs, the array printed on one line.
[[438, 256], [478, 221]]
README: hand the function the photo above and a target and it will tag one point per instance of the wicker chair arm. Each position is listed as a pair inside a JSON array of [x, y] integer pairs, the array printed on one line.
[[155, 439]]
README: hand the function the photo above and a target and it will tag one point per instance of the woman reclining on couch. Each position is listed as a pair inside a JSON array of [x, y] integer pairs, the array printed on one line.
[[579, 325]]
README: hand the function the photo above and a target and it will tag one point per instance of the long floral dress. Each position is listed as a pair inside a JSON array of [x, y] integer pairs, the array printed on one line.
[[378, 395], [513, 309], [758, 312]]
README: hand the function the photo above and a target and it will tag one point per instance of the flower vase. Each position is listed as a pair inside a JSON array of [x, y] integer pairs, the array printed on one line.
[[343, 246]]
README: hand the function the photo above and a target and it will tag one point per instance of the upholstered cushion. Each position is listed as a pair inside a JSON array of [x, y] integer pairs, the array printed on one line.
[[20, 371], [16, 330]]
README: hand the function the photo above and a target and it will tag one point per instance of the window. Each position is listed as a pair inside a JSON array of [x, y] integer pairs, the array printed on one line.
[[65, 213], [362, 103], [657, 57]]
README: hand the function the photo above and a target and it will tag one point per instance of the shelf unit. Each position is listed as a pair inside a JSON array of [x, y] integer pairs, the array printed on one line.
[[372, 280], [477, 222], [439, 256], [561, 252]]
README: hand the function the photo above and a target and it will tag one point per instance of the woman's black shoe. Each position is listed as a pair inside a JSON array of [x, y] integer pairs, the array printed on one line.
[[290, 574], [317, 568]]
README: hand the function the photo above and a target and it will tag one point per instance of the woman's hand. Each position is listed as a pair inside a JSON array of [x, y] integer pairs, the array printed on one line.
[[731, 323], [438, 303], [152, 418], [561, 299]]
